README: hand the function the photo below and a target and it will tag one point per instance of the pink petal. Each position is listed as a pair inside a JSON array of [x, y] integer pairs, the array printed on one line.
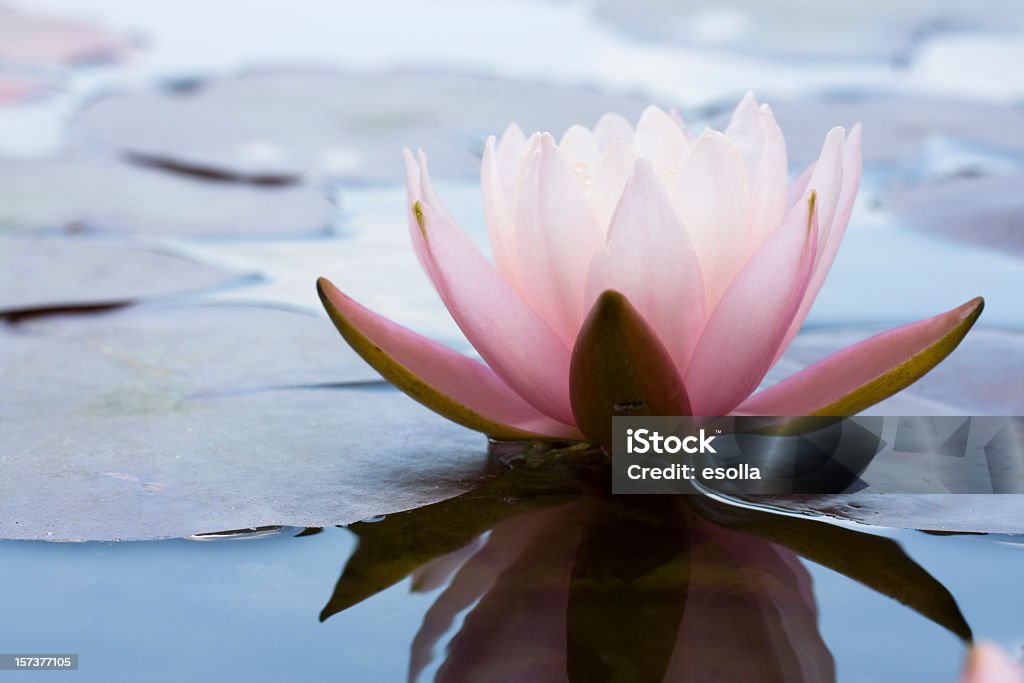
[[713, 201], [677, 117], [827, 178], [661, 139], [831, 233], [558, 236], [612, 128], [579, 147], [511, 338], [510, 156], [649, 259], [758, 138], [745, 329], [798, 187], [443, 380], [498, 211], [836, 377], [989, 664], [613, 172]]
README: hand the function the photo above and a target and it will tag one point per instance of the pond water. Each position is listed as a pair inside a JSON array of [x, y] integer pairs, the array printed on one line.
[[725, 603]]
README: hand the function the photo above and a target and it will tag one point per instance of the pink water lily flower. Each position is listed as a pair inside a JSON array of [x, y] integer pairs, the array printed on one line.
[[639, 270]]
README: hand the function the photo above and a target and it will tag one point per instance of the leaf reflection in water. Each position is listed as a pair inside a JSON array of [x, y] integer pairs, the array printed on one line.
[[554, 580]]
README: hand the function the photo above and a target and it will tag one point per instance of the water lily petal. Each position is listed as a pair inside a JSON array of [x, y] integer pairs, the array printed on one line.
[[677, 117], [613, 172], [650, 260], [745, 329], [619, 368], [579, 147], [759, 139], [558, 236], [498, 212], [612, 128], [861, 375], [459, 388], [712, 198], [510, 150], [826, 179], [660, 139], [507, 333], [848, 175]]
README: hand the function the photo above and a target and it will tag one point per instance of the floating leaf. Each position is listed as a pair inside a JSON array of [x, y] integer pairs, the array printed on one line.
[[79, 195], [171, 421], [984, 210], [54, 273], [845, 29], [284, 125], [992, 513]]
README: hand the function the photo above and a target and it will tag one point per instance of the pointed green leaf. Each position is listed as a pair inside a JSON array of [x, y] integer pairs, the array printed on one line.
[[619, 368]]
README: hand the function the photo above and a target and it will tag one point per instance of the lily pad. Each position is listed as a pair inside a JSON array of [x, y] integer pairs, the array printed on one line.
[[843, 29], [283, 125], [79, 195], [896, 127], [92, 274], [955, 512], [170, 421], [984, 210]]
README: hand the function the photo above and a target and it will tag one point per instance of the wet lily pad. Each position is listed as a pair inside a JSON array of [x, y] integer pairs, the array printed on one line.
[[845, 29], [984, 210], [80, 195], [171, 421], [896, 127], [53, 40], [54, 273], [283, 125], [955, 512]]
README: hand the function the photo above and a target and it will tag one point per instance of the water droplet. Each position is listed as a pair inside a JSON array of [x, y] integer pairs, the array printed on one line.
[[579, 168], [373, 520], [670, 175], [587, 180]]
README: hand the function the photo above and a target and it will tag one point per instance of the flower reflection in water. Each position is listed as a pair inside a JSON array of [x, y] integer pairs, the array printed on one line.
[[553, 579]]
